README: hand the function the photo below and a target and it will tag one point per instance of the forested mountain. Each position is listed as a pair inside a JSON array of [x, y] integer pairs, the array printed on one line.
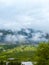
[[23, 36]]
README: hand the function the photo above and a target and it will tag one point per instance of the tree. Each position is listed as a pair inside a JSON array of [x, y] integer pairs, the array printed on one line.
[[1, 63], [42, 54]]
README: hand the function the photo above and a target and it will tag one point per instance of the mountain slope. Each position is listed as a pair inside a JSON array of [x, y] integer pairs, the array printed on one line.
[[23, 36]]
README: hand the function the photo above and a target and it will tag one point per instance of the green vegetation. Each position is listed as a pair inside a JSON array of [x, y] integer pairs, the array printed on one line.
[[14, 53], [19, 53], [42, 54]]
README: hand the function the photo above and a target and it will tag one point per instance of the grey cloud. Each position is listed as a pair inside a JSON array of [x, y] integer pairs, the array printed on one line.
[[27, 13]]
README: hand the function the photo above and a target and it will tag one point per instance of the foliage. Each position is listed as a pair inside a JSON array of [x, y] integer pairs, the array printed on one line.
[[42, 54], [19, 53]]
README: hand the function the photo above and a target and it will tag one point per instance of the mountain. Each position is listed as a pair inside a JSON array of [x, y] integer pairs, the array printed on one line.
[[23, 36]]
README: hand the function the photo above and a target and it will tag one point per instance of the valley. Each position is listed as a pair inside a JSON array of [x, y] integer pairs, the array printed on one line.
[[19, 53]]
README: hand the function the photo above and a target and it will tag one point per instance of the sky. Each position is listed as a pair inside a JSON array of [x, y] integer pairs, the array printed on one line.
[[16, 14]]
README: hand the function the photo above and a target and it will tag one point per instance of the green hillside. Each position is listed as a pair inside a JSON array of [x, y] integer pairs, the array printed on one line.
[[19, 53]]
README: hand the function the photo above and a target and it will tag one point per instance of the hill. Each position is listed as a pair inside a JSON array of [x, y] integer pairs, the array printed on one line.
[[26, 36], [19, 53]]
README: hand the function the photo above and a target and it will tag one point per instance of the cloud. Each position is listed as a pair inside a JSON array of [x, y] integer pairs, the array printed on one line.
[[8, 2], [24, 13], [22, 2], [11, 38]]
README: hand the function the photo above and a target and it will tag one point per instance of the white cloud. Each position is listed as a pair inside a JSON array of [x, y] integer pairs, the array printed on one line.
[[11, 38], [1, 34], [27, 13], [25, 2]]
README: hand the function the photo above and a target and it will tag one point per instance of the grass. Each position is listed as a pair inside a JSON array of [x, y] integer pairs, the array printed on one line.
[[19, 53]]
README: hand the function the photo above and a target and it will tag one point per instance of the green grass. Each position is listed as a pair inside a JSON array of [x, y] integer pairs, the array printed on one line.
[[20, 53]]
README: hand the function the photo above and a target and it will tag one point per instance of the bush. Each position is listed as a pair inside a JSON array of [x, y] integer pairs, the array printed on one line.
[[42, 54]]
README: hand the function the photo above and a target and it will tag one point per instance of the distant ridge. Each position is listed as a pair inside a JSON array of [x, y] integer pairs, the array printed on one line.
[[23, 35]]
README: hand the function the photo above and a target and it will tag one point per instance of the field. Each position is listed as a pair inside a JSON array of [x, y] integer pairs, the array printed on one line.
[[18, 53]]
